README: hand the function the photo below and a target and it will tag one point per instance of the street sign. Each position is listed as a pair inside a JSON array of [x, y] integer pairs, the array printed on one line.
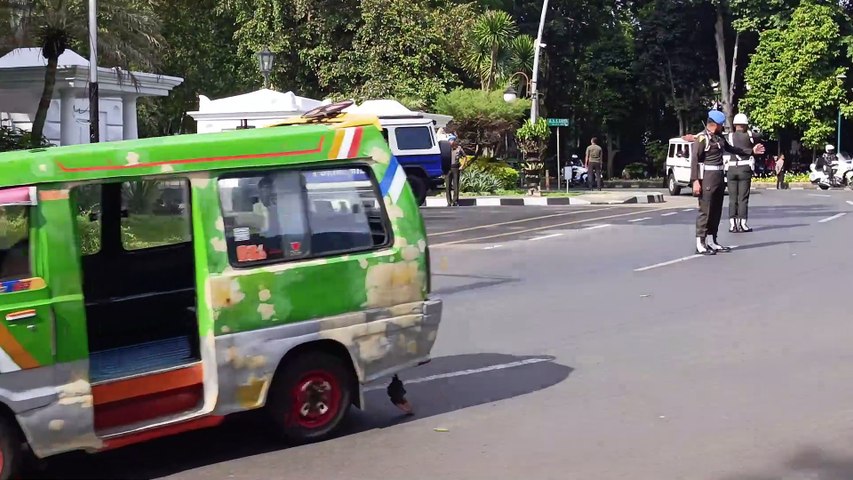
[[558, 122]]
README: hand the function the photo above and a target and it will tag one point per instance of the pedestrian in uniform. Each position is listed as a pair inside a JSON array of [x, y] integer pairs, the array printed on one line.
[[451, 181], [593, 161], [706, 177], [780, 172], [739, 175]]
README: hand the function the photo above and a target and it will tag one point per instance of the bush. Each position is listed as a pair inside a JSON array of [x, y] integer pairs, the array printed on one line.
[[474, 181], [481, 119], [12, 138], [506, 175], [634, 171]]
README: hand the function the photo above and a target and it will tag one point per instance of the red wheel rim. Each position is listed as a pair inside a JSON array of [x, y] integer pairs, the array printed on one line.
[[316, 400]]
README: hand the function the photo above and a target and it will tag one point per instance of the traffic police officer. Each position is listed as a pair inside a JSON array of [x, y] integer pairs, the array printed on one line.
[[706, 177], [739, 174], [453, 177]]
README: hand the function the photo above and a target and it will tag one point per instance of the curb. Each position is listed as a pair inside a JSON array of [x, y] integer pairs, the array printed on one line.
[[543, 201]]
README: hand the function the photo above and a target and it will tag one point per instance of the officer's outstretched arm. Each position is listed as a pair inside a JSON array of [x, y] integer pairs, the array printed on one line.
[[736, 150]]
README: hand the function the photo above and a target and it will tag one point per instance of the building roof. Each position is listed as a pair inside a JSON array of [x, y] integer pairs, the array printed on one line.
[[296, 143], [32, 57], [264, 101]]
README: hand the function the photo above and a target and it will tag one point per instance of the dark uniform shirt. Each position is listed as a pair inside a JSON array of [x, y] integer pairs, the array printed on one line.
[[744, 140], [708, 148]]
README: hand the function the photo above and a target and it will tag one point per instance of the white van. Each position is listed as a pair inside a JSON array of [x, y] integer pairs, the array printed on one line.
[[678, 165]]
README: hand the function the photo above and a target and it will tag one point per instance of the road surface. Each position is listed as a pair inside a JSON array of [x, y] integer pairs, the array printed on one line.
[[588, 343]]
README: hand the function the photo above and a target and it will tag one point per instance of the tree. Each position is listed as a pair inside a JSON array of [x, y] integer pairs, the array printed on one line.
[[482, 119], [489, 43], [128, 35], [792, 75]]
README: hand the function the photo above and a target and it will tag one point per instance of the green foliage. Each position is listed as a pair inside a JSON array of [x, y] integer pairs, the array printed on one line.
[[656, 151], [506, 175], [792, 76], [533, 136], [474, 181], [481, 119], [12, 138], [488, 46], [634, 171]]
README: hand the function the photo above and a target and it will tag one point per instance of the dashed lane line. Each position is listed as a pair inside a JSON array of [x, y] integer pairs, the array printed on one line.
[[834, 217], [511, 222], [546, 237]]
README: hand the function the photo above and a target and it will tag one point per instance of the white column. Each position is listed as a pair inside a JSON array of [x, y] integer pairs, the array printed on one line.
[[67, 122], [128, 117]]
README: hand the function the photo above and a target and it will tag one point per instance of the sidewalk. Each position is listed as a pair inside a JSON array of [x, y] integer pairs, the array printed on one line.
[[593, 198]]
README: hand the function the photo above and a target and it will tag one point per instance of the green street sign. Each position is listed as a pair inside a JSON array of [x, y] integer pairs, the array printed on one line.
[[558, 122]]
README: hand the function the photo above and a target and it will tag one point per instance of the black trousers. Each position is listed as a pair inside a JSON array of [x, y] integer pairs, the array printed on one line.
[[594, 175], [710, 204], [740, 182], [451, 185]]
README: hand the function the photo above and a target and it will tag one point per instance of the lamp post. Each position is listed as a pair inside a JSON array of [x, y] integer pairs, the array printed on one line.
[[94, 107], [534, 92], [266, 59], [840, 77], [510, 95]]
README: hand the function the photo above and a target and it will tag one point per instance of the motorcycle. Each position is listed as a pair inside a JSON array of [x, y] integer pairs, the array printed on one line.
[[576, 174], [842, 173]]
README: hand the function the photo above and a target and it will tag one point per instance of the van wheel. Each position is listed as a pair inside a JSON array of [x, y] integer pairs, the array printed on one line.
[[310, 397], [674, 189], [419, 189], [11, 451]]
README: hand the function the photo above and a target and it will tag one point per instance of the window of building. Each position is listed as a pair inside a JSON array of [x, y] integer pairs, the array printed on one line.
[[289, 215], [15, 243], [155, 213], [413, 138]]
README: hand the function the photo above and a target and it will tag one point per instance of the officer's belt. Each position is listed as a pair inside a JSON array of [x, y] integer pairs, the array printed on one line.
[[740, 163], [712, 167]]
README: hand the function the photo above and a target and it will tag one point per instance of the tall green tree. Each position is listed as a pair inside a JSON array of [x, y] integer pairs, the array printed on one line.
[[128, 35], [792, 75], [489, 44]]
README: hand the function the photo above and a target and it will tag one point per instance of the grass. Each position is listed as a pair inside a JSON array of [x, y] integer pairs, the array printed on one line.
[[789, 178]]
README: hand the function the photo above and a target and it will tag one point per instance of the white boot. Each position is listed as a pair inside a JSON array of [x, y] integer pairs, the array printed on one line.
[[702, 249], [743, 226], [733, 225], [711, 241]]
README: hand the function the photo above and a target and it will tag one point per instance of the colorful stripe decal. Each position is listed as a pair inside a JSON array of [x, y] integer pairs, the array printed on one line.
[[394, 180], [14, 356], [317, 149], [11, 317], [21, 285], [346, 144]]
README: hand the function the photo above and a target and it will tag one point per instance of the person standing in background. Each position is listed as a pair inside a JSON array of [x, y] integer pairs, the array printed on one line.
[[780, 172], [594, 157], [453, 176]]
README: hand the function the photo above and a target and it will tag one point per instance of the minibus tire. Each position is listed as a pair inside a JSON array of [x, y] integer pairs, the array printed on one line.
[[446, 151], [419, 189], [316, 369], [11, 452]]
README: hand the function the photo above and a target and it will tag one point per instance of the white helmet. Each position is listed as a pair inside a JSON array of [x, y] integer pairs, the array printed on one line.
[[830, 148], [740, 119]]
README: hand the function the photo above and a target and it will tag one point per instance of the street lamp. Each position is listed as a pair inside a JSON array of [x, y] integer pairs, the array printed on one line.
[[510, 94], [840, 77], [534, 92], [265, 61]]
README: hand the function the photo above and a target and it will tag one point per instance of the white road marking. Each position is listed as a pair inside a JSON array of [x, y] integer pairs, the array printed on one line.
[[677, 260], [639, 219], [546, 236], [689, 210], [596, 227], [834, 217], [500, 224], [462, 373], [849, 202], [819, 195], [669, 214], [492, 247]]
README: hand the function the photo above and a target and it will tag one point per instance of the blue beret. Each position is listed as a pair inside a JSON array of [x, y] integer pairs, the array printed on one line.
[[717, 117]]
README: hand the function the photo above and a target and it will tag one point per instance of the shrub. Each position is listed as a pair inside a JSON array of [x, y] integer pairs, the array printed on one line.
[[506, 175], [475, 181], [12, 138], [634, 171]]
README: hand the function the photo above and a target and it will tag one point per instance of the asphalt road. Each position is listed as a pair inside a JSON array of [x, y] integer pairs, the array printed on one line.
[[587, 343]]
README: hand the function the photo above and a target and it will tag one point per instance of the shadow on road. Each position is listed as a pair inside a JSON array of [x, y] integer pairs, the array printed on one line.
[[768, 244], [809, 463], [479, 281], [452, 383]]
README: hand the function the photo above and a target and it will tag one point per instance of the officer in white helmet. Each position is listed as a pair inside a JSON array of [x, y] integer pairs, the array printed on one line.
[[826, 160], [739, 174]]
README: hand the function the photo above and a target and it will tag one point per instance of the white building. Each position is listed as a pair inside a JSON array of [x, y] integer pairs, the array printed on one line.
[[255, 109], [22, 80]]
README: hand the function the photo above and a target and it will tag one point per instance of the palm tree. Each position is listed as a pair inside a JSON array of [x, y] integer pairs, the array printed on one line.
[[520, 57], [128, 35], [490, 37]]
